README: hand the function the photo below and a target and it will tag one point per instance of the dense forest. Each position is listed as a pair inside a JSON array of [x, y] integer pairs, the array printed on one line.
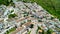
[[52, 6]]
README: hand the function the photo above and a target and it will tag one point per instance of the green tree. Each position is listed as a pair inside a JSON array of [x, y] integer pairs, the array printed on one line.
[[6, 2], [49, 31], [12, 15], [31, 26]]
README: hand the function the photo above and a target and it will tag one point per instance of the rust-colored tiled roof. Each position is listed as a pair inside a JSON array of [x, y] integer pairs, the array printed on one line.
[[21, 19], [1, 19], [27, 24]]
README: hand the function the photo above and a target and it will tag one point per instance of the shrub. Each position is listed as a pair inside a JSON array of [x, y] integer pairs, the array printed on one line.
[[12, 15]]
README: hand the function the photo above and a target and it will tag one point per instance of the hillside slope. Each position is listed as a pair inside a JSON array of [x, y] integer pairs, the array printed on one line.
[[52, 6]]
